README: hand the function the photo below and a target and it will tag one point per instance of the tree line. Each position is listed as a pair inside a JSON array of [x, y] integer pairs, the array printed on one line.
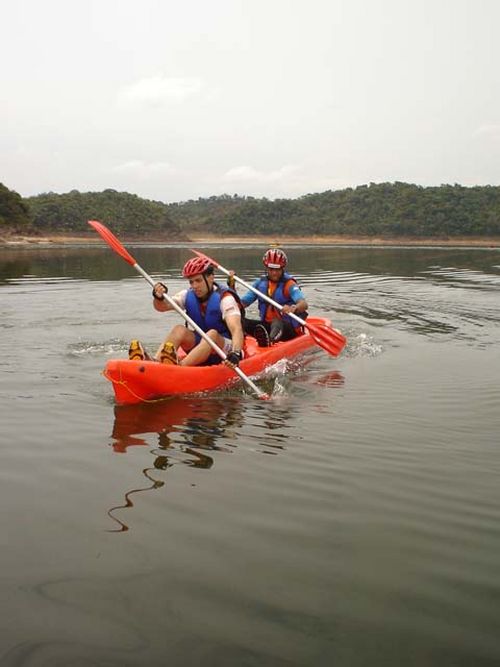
[[15, 215], [379, 209]]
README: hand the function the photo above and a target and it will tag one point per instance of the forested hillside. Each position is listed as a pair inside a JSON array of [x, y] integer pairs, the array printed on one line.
[[14, 212], [386, 210], [124, 213]]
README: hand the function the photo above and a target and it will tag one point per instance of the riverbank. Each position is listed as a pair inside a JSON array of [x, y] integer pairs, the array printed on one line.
[[354, 240], [479, 242]]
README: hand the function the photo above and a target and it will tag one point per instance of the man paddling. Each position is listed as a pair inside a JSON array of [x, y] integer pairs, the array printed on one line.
[[213, 307], [275, 325]]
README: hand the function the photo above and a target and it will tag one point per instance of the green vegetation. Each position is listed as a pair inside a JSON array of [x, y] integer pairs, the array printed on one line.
[[125, 213], [14, 212], [386, 210]]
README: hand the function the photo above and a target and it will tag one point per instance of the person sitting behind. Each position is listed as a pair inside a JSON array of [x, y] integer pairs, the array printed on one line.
[[214, 308], [275, 325]]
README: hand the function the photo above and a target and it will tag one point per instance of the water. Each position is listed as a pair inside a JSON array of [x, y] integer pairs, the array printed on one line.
[[352, 520]]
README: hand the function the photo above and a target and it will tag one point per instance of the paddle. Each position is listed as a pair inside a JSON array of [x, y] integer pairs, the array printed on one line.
[[115, 244], [326, 337]]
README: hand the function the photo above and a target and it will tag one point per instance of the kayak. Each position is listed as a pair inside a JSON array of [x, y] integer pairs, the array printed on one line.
[[137, 381]]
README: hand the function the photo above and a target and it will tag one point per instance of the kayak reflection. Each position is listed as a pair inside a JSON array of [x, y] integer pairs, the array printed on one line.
[[186, 429], [332, 379]]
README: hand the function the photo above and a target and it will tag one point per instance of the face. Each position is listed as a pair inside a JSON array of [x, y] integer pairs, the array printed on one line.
[[274, 274], [199, 285]]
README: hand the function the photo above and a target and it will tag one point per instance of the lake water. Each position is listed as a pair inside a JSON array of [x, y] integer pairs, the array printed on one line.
[[354, 519]]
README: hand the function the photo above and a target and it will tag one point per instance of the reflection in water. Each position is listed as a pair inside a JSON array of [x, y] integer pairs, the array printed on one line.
[[186, 430], [332, 379]]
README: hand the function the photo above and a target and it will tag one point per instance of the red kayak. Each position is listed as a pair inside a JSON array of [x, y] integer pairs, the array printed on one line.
[[136, 381]]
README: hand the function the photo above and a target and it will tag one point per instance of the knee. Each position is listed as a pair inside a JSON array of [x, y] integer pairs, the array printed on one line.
[[212, 334], [178, 330]]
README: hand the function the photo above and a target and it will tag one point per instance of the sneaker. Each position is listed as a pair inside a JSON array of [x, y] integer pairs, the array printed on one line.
[[136, 351], [168, 355], [261, 336], [277, 328]]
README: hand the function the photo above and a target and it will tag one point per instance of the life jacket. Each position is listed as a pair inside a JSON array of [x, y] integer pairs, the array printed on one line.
[[210, 317], [281, 295]]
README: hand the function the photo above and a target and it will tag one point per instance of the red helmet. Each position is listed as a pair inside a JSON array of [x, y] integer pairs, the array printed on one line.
[[274, 258], [195, 266]]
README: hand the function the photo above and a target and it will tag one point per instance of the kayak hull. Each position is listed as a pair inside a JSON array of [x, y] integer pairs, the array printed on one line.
[[137, 381]]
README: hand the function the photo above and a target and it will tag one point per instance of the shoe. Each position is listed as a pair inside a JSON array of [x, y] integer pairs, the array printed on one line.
[[276, 332], [261, 335], [136, 351], [168, 355]]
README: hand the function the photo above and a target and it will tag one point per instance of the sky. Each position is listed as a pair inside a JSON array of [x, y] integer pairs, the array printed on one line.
[[267, 98]]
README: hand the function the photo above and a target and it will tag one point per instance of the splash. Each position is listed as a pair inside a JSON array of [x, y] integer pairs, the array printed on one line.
[[114, 346], [363, 345]]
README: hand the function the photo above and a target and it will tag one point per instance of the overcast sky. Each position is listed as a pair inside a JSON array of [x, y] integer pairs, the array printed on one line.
[[173, 100]]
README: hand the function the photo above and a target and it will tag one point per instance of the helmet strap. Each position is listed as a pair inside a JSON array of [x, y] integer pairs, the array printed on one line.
[[207, 296]]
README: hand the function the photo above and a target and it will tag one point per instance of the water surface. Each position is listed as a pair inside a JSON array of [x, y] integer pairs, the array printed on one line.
[[352, 520]]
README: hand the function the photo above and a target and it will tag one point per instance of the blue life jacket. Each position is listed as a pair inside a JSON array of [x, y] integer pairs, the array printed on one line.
[[212, 317], [279, 296]]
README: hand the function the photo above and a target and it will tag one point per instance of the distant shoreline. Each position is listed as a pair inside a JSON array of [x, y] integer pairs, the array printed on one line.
[[478, 242]]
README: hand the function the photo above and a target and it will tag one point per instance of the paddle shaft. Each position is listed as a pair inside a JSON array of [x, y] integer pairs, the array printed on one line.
[[261, 295], [115, 244], [329, 339]]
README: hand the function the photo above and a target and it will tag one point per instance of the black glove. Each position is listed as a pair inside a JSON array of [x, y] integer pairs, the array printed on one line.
[[160, 298], [234, 357]]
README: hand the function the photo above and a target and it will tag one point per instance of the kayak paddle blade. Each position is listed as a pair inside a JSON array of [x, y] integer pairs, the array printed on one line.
[[112, 241], [329, 339]]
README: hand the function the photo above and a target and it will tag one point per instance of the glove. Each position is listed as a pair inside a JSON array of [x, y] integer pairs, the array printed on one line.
[[234, 357], [231, 282], [160, 298]]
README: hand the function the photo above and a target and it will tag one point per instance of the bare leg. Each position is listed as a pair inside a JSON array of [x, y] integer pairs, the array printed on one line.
[[203, 350], [180, 336]]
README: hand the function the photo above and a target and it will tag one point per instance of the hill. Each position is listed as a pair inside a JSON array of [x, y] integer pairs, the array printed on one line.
[[386, 210], [125, 213], [15, 216], [383, 210]]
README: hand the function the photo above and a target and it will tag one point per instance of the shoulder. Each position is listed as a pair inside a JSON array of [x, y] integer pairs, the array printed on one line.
[[289, 285], [229, 304], [180, 297]]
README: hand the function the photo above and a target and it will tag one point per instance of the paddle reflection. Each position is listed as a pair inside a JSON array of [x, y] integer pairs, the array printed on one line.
[[186, 430], [332, 379]]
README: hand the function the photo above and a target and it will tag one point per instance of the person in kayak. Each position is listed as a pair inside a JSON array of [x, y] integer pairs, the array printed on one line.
[[215, 308], [275, 325]]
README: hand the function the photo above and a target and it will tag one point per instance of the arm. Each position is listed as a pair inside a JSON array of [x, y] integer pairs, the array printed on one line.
[[237, 337], [297, 308], [160, 304], [300, 304], [250, 296], [231, 315]]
